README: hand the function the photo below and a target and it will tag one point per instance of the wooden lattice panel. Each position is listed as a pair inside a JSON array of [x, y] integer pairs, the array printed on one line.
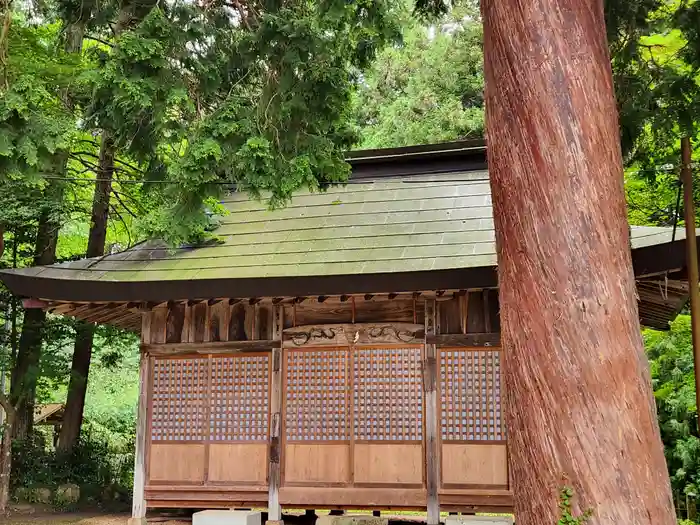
[[180, 391], [470, 383], [317, 395], [239, 398], [388, 394]]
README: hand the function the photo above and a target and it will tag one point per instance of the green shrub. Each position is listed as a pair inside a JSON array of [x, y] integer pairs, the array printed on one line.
[[93, 465]]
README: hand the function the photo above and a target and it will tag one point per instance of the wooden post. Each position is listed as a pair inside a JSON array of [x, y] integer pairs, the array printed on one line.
[[692, 257], [274, 510], [432, 454], [578, 399], [138, 510]]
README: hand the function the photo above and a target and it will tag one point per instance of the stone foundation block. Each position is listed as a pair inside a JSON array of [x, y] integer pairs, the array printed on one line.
[[226, 517], [479, 520], [352, 519]]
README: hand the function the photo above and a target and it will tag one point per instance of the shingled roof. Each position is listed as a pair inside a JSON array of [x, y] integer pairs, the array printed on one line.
[[400, 225]]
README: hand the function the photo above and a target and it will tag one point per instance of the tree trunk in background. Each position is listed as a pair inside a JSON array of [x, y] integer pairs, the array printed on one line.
[[6, 453], [579, 405], [82, 353], [26, 369]]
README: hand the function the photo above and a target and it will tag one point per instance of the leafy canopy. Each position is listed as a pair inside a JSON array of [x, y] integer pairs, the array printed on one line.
[[255, 94]]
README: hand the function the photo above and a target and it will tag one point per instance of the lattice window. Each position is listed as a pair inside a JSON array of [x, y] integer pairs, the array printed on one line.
[[180, 388], [317, 395], [239, 398], [388, 394], [470, 383]]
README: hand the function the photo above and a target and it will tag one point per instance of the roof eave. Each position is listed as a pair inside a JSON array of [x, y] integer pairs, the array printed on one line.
[[649, 260], [69, 290]]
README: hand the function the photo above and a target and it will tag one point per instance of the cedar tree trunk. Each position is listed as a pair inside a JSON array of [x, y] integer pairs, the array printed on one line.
[[579, 405], [82, 352]]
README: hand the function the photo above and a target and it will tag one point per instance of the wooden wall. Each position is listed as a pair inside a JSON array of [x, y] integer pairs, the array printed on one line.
[[352, 424]]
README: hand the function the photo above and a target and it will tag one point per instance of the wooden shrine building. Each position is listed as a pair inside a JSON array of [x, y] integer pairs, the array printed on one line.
[[342, 352]]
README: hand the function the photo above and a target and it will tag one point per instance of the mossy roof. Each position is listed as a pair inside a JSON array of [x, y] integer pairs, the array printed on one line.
[[410, 225]]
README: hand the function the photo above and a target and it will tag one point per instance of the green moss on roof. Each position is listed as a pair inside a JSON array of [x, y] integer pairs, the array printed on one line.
[[442, 222]]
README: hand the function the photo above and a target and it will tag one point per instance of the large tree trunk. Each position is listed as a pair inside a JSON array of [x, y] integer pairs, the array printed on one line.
[[82, 352], [579, 405]]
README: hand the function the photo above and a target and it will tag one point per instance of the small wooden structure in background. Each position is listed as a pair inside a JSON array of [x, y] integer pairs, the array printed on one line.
[[343, 352], [50, 414]]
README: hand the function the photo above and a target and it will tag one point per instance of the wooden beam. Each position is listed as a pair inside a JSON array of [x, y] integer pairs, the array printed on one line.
[[64, 308], [347, 334], [464, 340], [98, 312], [113, 313], [34, 303], [138, 509], [430, 376], [218, 347], [274, 510], [130, 320]]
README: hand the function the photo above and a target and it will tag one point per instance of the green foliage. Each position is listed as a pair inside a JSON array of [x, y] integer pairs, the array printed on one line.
[[566, 507], [34, 122], [429, 89], [655, 60], [671, 358], [94, 463], [261, 100]]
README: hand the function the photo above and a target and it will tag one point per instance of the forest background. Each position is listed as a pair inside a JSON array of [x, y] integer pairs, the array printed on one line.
[[121, 120]]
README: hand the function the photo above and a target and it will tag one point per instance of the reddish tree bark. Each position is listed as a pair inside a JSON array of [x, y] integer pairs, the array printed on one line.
[[579, 405]]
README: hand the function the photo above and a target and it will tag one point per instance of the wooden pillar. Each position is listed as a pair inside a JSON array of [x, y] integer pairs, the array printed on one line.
[[138, 510], [432, 453], [692, 258], [578, 399], [274, 510]]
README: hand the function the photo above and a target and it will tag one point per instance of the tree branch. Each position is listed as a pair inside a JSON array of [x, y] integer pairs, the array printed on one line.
[[116, 195], [126, 227], [90, 37]]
